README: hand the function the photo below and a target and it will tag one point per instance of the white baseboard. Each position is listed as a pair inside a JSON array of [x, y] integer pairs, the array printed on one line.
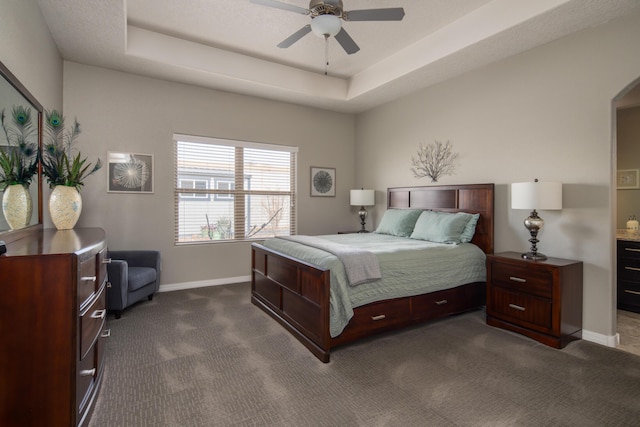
[[608, 340], [203, 283]]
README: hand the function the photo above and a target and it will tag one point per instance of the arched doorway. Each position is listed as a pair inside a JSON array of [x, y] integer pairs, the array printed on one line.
[[626, 203]]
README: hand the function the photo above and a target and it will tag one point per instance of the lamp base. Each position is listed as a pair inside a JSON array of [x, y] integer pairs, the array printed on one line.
[[534, 256]]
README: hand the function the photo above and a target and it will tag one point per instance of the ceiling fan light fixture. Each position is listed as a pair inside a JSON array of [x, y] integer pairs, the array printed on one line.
[[326, 25]]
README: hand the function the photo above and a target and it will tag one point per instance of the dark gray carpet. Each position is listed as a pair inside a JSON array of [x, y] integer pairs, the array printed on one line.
[[207, 357]]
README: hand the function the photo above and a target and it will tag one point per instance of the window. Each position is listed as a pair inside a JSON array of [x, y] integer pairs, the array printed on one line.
[[195, 183], [253, 187], [224, 184]]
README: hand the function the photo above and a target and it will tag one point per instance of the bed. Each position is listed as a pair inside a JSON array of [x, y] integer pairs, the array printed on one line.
[[298, 293]]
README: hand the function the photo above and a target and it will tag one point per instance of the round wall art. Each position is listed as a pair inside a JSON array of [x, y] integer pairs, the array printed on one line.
[[323, 182]]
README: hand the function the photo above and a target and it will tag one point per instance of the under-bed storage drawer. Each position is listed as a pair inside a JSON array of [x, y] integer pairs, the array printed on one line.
[[379, 316], [446, 302]]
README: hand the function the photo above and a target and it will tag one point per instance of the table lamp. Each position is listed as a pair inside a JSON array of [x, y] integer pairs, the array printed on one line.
[[535, 195], [362, 198]]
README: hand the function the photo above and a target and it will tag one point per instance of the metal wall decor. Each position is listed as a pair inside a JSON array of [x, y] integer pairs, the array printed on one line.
[[323, 182]]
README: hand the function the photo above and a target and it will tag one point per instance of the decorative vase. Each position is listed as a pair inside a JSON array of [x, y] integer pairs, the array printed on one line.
[[17, 206], [65, 206]]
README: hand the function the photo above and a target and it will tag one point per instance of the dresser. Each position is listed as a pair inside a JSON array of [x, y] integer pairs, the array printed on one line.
[[52, 327], [629, 275], [539, 299]]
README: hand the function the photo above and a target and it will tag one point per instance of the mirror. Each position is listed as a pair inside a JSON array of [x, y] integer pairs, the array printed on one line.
[[13, 94]]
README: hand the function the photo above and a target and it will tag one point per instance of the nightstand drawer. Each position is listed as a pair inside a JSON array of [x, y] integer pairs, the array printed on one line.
[[521, 278], [526, 310]]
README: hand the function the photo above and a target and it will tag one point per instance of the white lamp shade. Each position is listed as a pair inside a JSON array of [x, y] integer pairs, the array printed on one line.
[[363, 197], [536, 195], [328, 25]]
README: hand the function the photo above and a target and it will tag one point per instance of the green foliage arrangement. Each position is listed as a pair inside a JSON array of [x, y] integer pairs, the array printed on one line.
[[60, 165], [19, 158]]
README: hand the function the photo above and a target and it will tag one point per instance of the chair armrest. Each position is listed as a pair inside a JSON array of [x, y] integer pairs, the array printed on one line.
[[117, 272]]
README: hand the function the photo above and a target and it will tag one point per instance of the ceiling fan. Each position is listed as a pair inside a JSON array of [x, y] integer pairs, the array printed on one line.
[[326, 16]]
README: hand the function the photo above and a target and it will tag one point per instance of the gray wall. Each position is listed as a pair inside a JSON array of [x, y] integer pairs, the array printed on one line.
[[628, 136], [124, 112], [547, 114]]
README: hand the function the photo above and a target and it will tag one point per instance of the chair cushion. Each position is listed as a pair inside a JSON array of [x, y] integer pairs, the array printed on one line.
[[140, 277]]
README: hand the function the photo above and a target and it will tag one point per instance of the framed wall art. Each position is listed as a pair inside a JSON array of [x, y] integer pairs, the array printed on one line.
[[129, 172], [627, 179], [323, 182]]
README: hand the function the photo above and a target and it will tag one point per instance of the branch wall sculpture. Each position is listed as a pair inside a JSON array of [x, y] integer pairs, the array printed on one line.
[[434, 160]]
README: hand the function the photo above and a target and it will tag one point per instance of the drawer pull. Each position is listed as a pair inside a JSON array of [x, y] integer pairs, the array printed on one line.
[[379, 317], [106, 261], [518, 279], [632, 268], [88, 278], [632, 292], [632, 250], [108, 284], [441, 302], [517, 307], [106, 333], [99, 314], [88, 372]]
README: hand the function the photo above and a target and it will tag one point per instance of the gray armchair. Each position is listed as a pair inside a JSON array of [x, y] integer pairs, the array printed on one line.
[[133, 276]]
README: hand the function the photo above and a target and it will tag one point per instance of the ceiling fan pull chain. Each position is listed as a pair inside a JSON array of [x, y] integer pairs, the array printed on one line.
[[326, 54]]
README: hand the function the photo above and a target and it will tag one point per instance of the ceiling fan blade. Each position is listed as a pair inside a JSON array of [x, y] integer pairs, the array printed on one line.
[[388, 14], [347, 42], [295, 36], [283, 6]]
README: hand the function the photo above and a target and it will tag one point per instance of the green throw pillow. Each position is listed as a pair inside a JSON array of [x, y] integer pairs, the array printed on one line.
[[398, 222], [440, 227]]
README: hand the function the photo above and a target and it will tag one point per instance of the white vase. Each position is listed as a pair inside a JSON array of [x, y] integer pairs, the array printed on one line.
[[17, 206], [65, 206]]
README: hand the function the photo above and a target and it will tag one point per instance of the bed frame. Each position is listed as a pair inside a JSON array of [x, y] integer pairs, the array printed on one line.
[[296, 293]]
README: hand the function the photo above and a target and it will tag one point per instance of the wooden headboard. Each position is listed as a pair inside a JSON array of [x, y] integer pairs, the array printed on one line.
[[471, 198]]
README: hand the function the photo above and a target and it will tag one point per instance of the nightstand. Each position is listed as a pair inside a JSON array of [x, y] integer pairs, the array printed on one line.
[[352, 232], [539, 299]]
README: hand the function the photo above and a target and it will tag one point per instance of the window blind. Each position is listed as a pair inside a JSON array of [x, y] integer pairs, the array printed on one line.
[[228, 190]]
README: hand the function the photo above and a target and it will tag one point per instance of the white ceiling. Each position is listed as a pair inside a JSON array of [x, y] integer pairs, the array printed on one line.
[[231, 44]]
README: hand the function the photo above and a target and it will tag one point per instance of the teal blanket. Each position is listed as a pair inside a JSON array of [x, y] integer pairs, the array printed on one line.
[[409, 267]]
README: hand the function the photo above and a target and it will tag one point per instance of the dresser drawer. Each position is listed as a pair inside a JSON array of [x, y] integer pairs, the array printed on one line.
[[628, 295], [526, 310], [91, 323], [522, 278], [88, 283], [377, 316], [88, 370], [629, 269], [628, 249]]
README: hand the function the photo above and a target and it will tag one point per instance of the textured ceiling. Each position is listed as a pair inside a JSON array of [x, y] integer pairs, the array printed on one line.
[[232, 44]]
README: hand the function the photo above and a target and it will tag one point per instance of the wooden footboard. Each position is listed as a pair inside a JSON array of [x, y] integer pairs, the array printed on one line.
[[294, 293]]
